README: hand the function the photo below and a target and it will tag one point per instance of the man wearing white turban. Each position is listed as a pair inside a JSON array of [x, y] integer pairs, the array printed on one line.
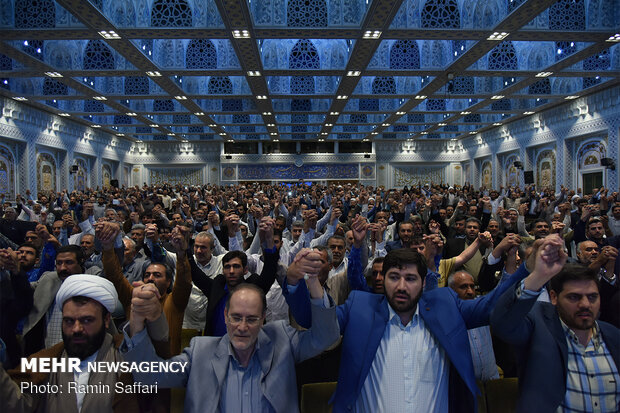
[[86, 302]]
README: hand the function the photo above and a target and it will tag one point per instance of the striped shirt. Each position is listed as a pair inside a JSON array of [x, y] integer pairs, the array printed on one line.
[[592, 381]]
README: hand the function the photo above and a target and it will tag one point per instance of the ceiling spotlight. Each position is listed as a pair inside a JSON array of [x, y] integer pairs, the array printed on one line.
[[154, 125], [241, 34], [544, 74], [131, 114], [473, 132], [334, 113], [261, 97], [497, 97], [273, 133], [100, 98], [199, 113], [180, 97], [270, 125], [266, 113], [253, 73], [374, 133], [153, 74], [341, 97], [385, 125], [109, 35], [276, 140], [321, 140], [442, 124], [498, 36], [64, 114], [372, 34], [400, 113], [424, 133], [420, 97], [497, 124], [571, 97], [614, 38], [365, 140], [171, 134], [354, 73], [329, 125], [95, 126], [222, 134], [120, 134], [212, 125], [185, 141], [139, 141], [20, 98], [465, 112], [53, 74], [529, 112]]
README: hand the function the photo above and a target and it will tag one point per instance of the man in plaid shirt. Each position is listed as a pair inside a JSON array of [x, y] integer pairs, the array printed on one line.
[[568, 360]]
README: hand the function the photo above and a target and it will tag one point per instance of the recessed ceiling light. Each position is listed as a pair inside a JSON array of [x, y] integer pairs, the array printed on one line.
[[131, 114], [497, 124], [20, 98], [385, 124], [334, 113], [441, 124], [329, 124], [544, 74], [498, 36], [222, 134], [261, 97], [276, 140], [372, 34], [212, 125], [365, 140], [529, 112], [53, 74], [354, 73], [199, 113], [270, 124], [64, 114], [473, 132], [120, 134], [614, 38], [253, 73], [95, 126], [153, 73], [154, 125], [109, 35], [465, 112], [571, 97], [341, 97], [241, 34], [180, 97], [185, 141], [266, 113], [273, 133], [424, 133], [100, 98], [374, 133], [420, 97], [497, 97], [323, 133], [400, 113], [321, 140], [139, 141]]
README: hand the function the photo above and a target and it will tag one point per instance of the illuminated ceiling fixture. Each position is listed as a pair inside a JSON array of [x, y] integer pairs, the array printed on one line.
[[497, 124], [261, 97], [109, 35], [354, 73], [615, 38], [544, 74], [273, 133], [329, 125], [420, 97], [424, 133], [66, 115], [465, 113], [341, 97], [385, 125], [253, 73], [153, 74], [400, 113], [441, 124], [529, 112], [270, 124], [199, 113], [266, 113], [372, 34], [131, 114], [53, 74], [180, 97], [374, 133], [154, 125], [571, 97], [20, 98], [100, 98], [185, 141], [498, 36], [95, 126], [473, 132], [334, 113], [241, 34], [212, 125], [120, 134], [497, 97]]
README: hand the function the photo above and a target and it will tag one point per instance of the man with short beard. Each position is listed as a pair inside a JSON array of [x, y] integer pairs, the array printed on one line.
[[568, 360], [85, 302], [379, 333]]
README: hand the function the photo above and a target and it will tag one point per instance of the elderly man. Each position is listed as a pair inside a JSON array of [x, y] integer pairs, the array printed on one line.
[[251, 368], [85, 302], [568, 360]]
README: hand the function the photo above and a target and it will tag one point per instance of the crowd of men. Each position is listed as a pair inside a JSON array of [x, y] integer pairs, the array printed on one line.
[[422, 293]]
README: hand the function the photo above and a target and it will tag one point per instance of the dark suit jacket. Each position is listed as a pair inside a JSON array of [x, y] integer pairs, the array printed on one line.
[[362, 320], [214, 289], [535, 329]]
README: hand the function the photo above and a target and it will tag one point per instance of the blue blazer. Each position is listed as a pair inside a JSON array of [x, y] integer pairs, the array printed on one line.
[[364, 316], [535, 330]]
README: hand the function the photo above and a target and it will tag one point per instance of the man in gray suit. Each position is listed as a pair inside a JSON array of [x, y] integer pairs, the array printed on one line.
[[252, 367]]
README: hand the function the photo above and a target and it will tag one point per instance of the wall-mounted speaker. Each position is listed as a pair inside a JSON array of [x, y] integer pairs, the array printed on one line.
[[528, 177], [518, 164], [114, 183]]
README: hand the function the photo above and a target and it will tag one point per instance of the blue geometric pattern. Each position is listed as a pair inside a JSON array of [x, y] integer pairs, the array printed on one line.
[[195, 129], [306, 13], [405, 54], [136, 85], [463, 85], [123, 120], [301, 105], [232, 105], [358, 118], [436, 104], [53, 87], [441, 14], [181, 119], [91, 106], [502, 104], [171, 13], [472, 118], [415, 118], [6, 63], [34, 14], [34, 48], [597, 62], [304, 56], [220, 85], [567, 15], [98, 56], [241, 118], [383, 85], [542, 87], [165, 105], [503, 57], [513, 4], [564, 49], [369, 105], [299, 118], [201, 54], [302, 85], [590, 81]]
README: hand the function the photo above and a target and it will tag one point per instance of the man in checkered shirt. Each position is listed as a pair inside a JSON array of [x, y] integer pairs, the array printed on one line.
[[568, 361]]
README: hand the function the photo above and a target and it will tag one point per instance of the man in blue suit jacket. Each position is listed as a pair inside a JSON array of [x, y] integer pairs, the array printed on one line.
[[408, 351], [566, 358]]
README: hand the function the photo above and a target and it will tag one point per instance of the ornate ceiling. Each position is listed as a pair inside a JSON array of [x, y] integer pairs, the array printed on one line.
[[333, 70]]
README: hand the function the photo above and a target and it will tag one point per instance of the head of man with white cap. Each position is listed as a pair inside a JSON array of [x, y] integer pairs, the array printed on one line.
[[86, 302]]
